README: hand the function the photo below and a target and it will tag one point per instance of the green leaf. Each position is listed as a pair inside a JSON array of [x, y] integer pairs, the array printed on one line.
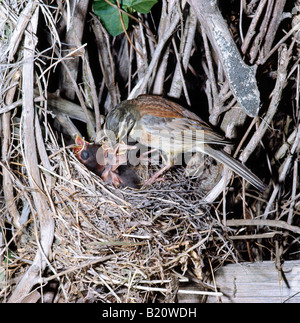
[[142, 6], [110, 17]]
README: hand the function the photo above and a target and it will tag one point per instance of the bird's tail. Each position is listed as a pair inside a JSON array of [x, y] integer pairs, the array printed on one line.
[[236, 166]]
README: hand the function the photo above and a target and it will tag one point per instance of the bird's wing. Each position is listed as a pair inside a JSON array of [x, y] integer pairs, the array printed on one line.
[[170, 120]]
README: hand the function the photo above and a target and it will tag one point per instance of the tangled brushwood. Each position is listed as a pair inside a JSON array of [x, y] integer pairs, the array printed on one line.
[[65, 235]]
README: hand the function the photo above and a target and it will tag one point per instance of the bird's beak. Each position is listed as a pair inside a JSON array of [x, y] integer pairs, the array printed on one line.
[[80, 143]]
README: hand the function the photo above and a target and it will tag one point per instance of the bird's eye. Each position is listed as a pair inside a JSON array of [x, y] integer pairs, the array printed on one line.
[[85, 155]]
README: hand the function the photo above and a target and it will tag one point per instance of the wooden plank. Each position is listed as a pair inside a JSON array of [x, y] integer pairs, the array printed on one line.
[[258, 282]]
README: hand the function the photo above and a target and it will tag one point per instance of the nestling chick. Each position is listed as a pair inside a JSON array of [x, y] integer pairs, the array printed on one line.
[[97, 159]]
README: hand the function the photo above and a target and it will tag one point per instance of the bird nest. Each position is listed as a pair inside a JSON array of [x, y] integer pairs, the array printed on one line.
[[120, 245]]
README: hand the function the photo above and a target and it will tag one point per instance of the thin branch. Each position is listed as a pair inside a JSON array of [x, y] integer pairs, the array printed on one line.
[[283, 61], [258, 222]]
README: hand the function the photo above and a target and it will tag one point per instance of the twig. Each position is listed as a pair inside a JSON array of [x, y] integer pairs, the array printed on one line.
[[20, 29], [106, 62], [73, 37], [29, 279], [141, 60], [183, 84], [267, 235], [124, 28], [294, 190], [280, 42], [178, 81], [252, 27], [269, 223], [272, 28], [261, 34], [91, 87], [240, 76], [6, 142], [282, 174], [180, 291], [164, 24], [86, 264], [90, 125], [141, 86], [283, 61]]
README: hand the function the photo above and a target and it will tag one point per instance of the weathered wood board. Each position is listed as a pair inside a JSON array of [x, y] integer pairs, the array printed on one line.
[[258, 282]]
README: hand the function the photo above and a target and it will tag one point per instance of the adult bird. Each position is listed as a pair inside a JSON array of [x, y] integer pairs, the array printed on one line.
[[161, 124]]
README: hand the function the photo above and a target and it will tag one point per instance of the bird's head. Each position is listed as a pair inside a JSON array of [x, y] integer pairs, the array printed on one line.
[[120, 121], [87, 154], [80, 144]]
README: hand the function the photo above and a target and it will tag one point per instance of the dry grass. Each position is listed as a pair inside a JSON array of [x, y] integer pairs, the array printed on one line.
[[67, 237]]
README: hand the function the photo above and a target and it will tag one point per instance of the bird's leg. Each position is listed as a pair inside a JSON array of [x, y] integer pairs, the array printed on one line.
[[156, 177], [143, 157]]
